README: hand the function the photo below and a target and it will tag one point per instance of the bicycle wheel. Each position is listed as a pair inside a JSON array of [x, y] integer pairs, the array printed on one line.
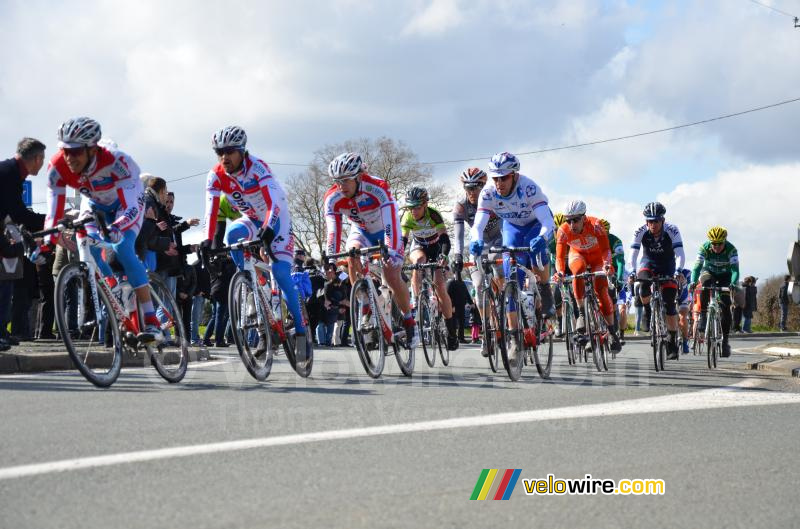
[[244, 307], [402, 353], [543, 352], [568, 328], [95, 343], [287, 320], [656, 338], [425, 330], [369, 341], [511, 303], [491, 329], [596, 335], [713, 341], [171, 357]]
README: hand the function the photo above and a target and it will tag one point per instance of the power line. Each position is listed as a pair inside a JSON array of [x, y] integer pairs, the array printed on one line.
[[574, 145], [774, 9]]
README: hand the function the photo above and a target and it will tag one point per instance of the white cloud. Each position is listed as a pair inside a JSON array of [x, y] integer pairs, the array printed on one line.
[[438, 17]]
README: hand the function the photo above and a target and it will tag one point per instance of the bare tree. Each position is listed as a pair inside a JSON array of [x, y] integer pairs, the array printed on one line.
[[386, 158]]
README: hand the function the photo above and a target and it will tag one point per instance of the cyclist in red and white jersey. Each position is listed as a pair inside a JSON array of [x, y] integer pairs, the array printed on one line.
[[109, 182], [368, 204], [252, 190]]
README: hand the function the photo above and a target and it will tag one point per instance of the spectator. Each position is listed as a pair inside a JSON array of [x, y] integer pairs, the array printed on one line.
[[168, 263], [344, 311], [220, 269], [737, 307], [475, 317], [300, 275], [459, 296], [783, 302], [316, 304], [201, 294], [10, 270], [750, 302], [333, 296]]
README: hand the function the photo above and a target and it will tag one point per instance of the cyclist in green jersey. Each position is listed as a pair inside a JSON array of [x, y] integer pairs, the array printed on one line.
[[717, 264], [617, 293], [429, 243]]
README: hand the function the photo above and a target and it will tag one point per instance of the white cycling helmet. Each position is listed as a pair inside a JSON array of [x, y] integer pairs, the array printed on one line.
[[345, 166], [576, 208], [78, 132], [502, 164], [231, 136]]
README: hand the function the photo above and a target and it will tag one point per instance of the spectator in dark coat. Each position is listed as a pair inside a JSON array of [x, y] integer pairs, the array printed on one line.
[[344, 311], [783, 302], [221, 269], [459, 296], [333, 296], [316, 304], [201, 294], [750, 302], [27, 162]]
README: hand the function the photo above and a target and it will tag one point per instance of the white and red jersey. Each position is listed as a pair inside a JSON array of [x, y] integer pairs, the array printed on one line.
[[372, 210], [111, 180], [253, 191]]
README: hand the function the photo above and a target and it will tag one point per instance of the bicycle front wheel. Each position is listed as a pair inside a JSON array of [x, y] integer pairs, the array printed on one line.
[[595, 332], [491, 329], [248, 327], [403, 353], [93, 340], [171, 357], [513, 352], [543, 352], [425, 329], [367, 335], [441, 341]]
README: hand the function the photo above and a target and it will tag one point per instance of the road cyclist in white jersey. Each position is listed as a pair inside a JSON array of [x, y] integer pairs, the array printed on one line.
[[251, 189], [527, 221]]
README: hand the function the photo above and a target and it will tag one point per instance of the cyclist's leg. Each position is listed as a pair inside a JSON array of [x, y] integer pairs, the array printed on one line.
[[356, 239], [669, 291], [644, 283], [706, 280], [283, 249], [242, 228], [416, 256], [725, 298]]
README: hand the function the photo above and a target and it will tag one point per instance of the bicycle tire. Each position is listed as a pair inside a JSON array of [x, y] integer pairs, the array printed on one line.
[[242, 322], [76, 345], [373, 362], [490, 320], [543, 359], [567, 328], [170, 360], [425, 329], [656, 338], [444, 352], [593, 332], [403, 354], [511, 294]]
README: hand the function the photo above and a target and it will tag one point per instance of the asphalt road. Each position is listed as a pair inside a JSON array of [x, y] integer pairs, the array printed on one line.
[[343, 450]]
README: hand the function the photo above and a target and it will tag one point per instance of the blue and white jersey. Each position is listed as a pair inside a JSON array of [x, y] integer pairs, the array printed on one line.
[[526, 205]]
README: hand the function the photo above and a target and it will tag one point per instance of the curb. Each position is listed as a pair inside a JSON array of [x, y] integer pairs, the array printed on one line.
[[790, 368], [733, 336], [11, 363]]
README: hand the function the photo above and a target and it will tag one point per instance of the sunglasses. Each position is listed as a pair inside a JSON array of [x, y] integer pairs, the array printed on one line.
[[502, 178], [573, 220], [474, 187], [226, 150], [73, 151], [718, 243]]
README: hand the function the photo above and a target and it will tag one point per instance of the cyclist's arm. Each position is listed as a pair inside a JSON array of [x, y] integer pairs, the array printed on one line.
[[441, 229], [618, 256], [698, 265], [482, 215], [545, 218], [131, 195], [677, 246], [274, 197], [391, 224], [605, 247], [458, 229], [406, 227], [333, 226], [56, 201], [212, 205], [562, 249], [636, 246]]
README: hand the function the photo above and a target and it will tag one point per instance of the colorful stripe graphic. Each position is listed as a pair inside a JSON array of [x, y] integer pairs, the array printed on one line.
[[496, 484]]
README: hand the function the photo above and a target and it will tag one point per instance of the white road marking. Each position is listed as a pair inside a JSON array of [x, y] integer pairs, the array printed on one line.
[[727, 397], [39, 374]]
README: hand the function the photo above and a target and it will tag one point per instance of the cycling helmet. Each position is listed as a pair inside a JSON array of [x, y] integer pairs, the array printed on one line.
[[345, 166], [78, 132], [576, 208], [559, 219], [231, 136], [605, 224], [473, 177], [416, 196], [502, 164], [717, 234], [654, 211]]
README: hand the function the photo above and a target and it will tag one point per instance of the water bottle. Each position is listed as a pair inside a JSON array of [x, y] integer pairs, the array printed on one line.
[[529, 308], [385, 301]]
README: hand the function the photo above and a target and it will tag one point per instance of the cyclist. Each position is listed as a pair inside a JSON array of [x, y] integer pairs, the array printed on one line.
[[584, 242], [717, 264], [618, 293], [684, 302], [109, 181], [368, 204], [473, 180], [429, 243], [661, 246], [527, 220], [253, 191]]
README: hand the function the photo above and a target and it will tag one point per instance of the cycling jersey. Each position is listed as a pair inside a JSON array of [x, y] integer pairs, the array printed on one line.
[[111, 181], [425, 231], [658, 253], [725, 263], [464, 211], [617, 256], [525, 205], [252, 191], [372, 211], [591, 243]]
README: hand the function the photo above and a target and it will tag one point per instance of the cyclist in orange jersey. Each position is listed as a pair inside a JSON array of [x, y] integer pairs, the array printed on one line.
[[586, 242]]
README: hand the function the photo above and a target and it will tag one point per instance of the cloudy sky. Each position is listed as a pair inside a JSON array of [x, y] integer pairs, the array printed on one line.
[[453, 79]]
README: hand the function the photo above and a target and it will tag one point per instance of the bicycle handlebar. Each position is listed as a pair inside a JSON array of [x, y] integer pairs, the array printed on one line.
[[518, 249], [424, 266], [358, 252]]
